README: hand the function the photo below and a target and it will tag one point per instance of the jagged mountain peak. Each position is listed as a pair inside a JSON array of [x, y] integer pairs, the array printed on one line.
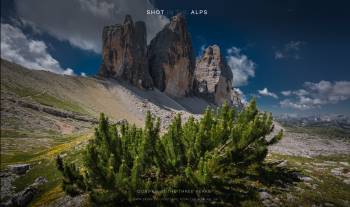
[[213, 76]]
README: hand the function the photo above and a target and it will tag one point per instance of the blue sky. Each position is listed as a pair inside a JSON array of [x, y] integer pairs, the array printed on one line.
[[300, 48]]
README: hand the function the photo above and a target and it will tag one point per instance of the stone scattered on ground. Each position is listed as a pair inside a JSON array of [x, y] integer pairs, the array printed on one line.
[[342, 174], [264, 195], [290, 197], [6, 184], [345, 164], [66, 200], [305, 178], [329, 204], [284, 163], [39, 181], [268, 200]]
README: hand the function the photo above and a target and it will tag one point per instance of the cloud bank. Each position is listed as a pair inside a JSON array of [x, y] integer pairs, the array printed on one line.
[[242, 67], [80, 22], [315, 95], [33, 54]]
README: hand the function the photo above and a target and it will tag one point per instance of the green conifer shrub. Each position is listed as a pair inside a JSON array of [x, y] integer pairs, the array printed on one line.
[[220, 153]]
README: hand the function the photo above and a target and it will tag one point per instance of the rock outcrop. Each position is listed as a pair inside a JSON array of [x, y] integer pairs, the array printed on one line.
[[171, 59], [213, 77], [124, 53], [24, 197]]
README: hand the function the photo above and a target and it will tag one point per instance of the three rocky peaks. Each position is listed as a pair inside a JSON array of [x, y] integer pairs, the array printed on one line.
[[168, 63]]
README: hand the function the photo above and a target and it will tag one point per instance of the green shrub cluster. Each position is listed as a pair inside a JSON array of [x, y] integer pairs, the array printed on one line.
[[193, 162]]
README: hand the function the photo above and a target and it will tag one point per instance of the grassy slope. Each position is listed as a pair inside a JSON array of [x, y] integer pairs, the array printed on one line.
[[73, 93], [324, 186], [77, 94], [46, 99], [43, 164]]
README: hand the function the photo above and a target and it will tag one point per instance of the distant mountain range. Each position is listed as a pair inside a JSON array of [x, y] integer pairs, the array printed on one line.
[[332, 120]]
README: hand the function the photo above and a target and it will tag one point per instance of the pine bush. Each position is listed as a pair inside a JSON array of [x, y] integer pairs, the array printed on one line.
[[130, 165]]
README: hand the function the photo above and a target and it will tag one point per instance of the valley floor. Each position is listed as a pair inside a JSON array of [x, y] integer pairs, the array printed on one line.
[[308, 144]]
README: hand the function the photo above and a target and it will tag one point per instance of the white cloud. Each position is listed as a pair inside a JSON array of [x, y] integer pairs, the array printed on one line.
[[266, 92], [314, 95], [242, 67], [80, 22], [83, 74], [290, 104], [33, 54], [300, 92], [329, 92], [286, 93], [290, 50]]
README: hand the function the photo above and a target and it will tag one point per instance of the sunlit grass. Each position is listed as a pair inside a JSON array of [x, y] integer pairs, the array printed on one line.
[[45, 98]]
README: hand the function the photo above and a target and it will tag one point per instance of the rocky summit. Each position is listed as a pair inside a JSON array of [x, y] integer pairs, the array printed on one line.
[[214, 77], [124, 53], [168, 63], [171, 59]]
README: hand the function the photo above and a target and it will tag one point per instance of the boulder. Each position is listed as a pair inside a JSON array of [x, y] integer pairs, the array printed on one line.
[[18, 169], [124, 53], [213, 77], [171, 59]]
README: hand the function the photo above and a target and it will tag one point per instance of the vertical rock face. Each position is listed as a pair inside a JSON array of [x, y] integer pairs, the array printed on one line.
[[124, 53], [171, 59], [213, 77]]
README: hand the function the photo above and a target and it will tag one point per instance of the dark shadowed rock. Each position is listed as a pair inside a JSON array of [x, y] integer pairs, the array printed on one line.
[[19, 169], [171, 59], [124, 53], [24, 197], [213, 77]]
